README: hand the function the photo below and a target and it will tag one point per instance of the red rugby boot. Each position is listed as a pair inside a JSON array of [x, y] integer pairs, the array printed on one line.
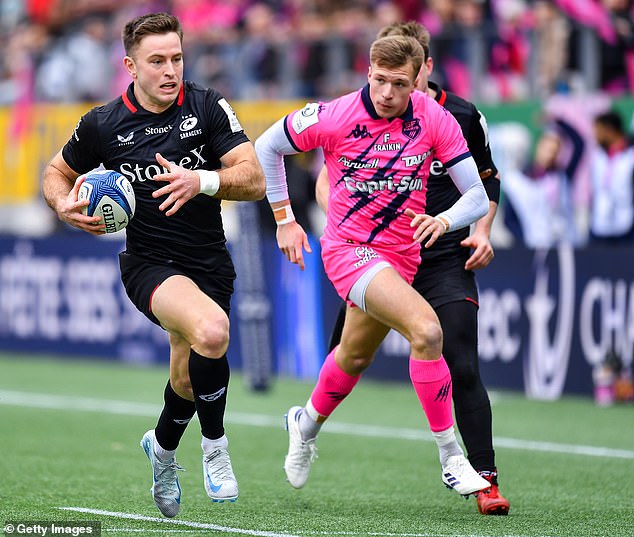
[[490, 501]]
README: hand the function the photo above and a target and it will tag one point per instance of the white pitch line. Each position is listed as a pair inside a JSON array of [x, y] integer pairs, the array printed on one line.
[[177, 522], [228, 529], [144, 530], [131, 408]]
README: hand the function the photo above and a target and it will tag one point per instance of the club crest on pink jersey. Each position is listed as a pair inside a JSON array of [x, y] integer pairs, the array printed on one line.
[[412, 128]]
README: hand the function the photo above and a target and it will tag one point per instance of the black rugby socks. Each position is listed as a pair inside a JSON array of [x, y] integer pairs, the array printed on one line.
[[210, 379], [176, 414]]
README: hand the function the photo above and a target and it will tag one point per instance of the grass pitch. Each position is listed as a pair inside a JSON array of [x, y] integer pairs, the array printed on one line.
[[69, 444]]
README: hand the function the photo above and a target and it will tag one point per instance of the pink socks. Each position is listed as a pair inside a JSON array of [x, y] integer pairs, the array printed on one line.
[[332, 387], [431, 380], [432, 383]]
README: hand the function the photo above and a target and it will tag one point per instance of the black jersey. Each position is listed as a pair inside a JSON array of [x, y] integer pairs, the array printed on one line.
[[441, 191], [195, 132]]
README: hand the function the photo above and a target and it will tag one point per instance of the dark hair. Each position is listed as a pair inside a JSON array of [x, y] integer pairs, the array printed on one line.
[[612, 120], [397, 51], [408, 29], [149, 24]]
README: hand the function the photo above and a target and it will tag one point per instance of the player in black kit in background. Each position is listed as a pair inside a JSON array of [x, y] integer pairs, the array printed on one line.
[[183, 149], [446, 280]]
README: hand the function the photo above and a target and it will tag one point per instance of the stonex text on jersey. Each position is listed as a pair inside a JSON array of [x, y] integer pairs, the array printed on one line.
[[197, 130]]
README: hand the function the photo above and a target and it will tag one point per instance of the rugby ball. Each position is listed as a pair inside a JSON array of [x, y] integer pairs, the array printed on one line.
[[111, 197]]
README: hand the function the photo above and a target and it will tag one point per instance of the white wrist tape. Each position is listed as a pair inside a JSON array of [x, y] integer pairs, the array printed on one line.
[[283, 215], [209, 182], [443, 221]]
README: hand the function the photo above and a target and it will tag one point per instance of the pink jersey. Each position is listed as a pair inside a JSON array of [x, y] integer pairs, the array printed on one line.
[[377, 167]]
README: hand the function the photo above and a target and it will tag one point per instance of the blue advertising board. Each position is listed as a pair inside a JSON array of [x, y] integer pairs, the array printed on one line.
[[546, 317], [63, 296]]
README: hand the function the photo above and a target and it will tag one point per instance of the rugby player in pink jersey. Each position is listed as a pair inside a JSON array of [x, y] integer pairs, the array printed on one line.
[[378, 144], [446, 277]]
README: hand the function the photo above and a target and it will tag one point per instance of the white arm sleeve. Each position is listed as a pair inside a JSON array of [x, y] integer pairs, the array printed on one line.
[[270, 148], [474, 203]]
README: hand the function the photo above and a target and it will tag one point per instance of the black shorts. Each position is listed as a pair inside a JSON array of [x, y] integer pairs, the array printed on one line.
[[141, 277], [442, 283]]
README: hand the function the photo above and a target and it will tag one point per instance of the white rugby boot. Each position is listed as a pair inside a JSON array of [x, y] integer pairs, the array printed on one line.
[[165, 490], [458, 474], [220, 482], [301, 454]]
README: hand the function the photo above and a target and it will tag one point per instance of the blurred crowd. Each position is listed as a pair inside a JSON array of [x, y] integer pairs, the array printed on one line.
[[571, 184], [493, 50], [574, 183]]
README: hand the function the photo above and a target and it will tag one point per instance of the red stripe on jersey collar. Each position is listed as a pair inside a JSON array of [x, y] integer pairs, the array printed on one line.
[[442, 97], [181, 94], [133, 109], [128, 102]]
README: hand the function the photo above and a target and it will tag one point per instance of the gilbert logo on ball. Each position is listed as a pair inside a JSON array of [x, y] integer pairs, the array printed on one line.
[[111, 197]]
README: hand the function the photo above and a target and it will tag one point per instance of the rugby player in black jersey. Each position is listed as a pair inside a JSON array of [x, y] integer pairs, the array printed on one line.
[[446, 280], [183, 149]]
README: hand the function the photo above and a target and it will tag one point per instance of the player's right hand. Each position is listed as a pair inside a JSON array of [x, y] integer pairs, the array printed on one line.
[[428, 228], [292, 241], [70, 211], [182, 185]]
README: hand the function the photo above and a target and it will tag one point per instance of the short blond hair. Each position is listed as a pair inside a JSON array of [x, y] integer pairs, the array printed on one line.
[[410, 28], [397, 51]]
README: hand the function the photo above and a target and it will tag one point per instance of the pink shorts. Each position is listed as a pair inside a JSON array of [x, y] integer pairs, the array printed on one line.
[[345, 262]]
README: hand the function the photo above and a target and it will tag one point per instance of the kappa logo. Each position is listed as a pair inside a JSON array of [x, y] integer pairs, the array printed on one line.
[[412, 128], [359, 132], [213, 396], [365, 255], [126, 140]]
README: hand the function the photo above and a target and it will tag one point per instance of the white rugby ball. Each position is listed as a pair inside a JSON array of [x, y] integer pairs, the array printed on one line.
[[111, 197]]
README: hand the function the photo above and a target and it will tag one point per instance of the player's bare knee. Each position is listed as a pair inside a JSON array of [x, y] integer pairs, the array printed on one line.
[[212, 339], [355, 365], [359, 365], [427, 338]]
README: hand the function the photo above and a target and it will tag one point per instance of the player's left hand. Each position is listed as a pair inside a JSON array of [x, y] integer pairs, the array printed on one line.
[[482, 253], [427, 227], [292, 241], [182, 185]]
